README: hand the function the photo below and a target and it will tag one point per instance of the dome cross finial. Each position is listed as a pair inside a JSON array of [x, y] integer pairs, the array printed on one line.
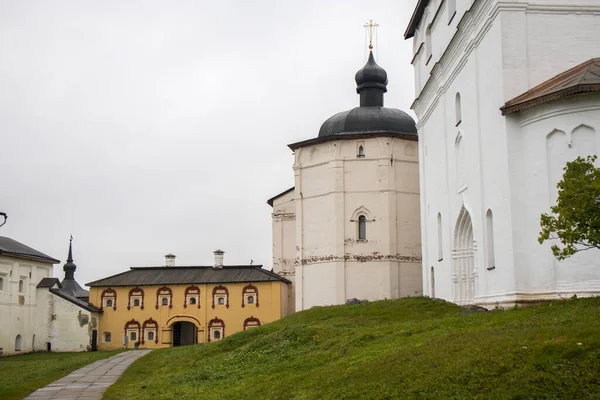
[[371, 28]]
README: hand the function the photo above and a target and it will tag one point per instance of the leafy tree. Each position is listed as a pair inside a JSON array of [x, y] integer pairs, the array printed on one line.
[[575, 219]]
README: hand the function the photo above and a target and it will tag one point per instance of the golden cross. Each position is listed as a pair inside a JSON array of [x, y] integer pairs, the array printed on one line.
[[372, 28]]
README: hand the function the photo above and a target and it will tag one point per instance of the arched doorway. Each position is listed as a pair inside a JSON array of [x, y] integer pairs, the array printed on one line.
[[184, 333], [463, 260]]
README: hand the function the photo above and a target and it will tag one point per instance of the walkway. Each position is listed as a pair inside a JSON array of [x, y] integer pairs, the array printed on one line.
[[91, 381]]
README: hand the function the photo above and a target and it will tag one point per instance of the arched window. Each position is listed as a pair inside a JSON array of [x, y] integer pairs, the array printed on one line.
[[362, 228], [451, 10], [220, 296], [217, 335], [427, 44], [18, 343], [1, 283], [192, 300], [136, 302], [491, 257], [440, 238], [165, 301], [249, 295], [109, 298], [216, 329], [136, 298], [458, 109], [149, 331], [164, 296], [21, 286], [109, 302], [361, 152]]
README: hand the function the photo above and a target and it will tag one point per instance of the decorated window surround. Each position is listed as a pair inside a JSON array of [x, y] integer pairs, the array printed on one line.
[[150, 325], [191, 292], [108, 294], [133, 326], [251, 323], [247, 291], [164, 292], [220, 291], [216, 324], [136, 293]]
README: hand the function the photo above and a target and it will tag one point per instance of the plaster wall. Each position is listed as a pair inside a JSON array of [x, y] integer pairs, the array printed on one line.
[[18, 310], [284, 242], [271, 307], [500, 50], [333, 188]]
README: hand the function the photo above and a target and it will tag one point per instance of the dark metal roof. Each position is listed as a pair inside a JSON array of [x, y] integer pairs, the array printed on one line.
[[49, 282], [415, 19], [139, 276], [371, 76], [71, 287], [11, 247], [270, 201], [369, 120], [583, 78], [78, 302]]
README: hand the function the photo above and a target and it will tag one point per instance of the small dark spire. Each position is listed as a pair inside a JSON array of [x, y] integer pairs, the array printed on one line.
[[70, 266], [371, 83]]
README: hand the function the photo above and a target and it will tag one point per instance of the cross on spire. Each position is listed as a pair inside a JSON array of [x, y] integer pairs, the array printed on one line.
[[371, 27]]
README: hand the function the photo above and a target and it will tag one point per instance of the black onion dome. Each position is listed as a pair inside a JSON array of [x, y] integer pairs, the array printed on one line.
[[371, 75], [371, 116], [369, 120]]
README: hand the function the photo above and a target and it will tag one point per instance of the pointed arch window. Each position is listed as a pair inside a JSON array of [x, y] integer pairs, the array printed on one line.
[[451, 10], [491, 257], [458, 109], [428, 52], [362, 228], [18, 343]]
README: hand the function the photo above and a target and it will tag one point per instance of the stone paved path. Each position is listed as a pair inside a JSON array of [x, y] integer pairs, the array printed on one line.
[[91, 381]]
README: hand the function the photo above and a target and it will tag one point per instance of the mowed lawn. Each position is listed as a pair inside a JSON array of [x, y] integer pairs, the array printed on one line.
[[22, 374], [415, 348]]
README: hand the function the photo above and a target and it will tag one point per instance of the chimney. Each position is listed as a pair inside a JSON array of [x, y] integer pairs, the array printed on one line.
[[170, 260], [218, 258]]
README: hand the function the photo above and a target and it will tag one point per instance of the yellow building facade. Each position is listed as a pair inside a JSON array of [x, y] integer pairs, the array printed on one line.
[[155, 307]]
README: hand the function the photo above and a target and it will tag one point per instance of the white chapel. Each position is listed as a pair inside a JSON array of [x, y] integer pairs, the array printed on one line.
[[507, 92], [349, 228]]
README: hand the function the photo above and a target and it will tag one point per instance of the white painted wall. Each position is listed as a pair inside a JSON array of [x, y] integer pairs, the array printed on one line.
[[333, 187], [20, 319], [501, 50], [284, 243]]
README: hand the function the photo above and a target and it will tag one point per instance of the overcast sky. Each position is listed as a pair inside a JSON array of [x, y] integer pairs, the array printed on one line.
[[147, 127]]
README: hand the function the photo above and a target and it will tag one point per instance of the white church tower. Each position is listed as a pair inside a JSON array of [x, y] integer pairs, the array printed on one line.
[[350, 226], [507, 92]]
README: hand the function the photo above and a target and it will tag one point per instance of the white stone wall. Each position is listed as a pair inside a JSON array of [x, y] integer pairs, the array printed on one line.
[[501, 50], [333, 188], [284, 243], [65, 326], [18, 310]]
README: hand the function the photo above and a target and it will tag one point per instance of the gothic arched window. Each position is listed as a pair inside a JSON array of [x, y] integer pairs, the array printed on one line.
[[362, 228]]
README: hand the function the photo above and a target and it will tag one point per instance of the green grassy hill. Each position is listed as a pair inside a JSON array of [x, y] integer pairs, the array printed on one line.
[[402, 349]]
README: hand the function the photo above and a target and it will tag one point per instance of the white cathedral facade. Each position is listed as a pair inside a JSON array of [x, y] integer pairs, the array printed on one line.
[[507, 92]]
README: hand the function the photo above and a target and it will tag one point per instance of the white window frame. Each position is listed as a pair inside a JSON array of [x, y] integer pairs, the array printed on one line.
[[216, 329], [129, 332], [153, 331], [164, 296], [105, 301], [246, 295], [192, 296], [135, 297], [221, 296]]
